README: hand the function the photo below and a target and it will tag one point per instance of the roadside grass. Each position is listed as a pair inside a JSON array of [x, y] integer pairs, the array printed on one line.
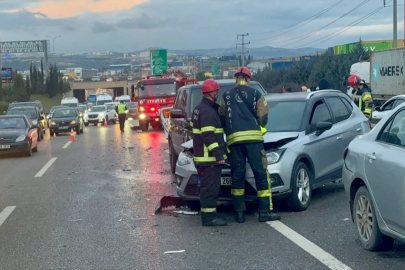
[[46, 101]]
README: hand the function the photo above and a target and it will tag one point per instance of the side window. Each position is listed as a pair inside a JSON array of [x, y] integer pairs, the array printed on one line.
[[394, 131], [399, 101], [320, 113], [339, 109], [178, 98], [348, 104], [388, 106]]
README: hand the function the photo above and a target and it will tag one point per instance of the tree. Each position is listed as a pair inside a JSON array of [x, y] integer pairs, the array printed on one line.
[[201, 76], [42, 71]]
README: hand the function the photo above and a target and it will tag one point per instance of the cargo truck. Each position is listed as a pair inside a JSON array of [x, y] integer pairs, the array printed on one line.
[[384, 74]]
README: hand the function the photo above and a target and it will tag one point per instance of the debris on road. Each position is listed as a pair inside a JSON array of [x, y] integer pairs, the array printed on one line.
[[169, 201], [174, 251], [186, 212]]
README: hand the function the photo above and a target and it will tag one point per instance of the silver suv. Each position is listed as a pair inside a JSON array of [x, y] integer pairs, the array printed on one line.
[[307, 134]]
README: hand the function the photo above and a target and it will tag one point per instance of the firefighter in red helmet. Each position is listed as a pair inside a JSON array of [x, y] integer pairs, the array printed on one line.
[[361, 95], [209, 152], [244, 113]]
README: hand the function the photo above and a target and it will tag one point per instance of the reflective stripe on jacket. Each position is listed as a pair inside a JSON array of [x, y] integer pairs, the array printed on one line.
[[208, 134], [121, 108], [239, 124]]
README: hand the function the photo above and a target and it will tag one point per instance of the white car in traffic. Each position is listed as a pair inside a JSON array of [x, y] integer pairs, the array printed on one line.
[[100, 114], [386, 108]]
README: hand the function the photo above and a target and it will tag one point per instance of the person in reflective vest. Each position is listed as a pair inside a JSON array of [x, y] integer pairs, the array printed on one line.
[[121, 108], [361, 95], [209, 151], [243, 112]]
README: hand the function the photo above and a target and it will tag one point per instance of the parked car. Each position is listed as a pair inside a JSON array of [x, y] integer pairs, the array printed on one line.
[[188, 97], [99, 114], [373, 177], [307, 133], [385, 109], [28, 103], [18, 134], [64, 120], [78, 79], [35, 116], [49, 116]]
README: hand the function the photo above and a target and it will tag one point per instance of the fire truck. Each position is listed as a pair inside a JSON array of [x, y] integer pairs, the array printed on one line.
[[155, 92]]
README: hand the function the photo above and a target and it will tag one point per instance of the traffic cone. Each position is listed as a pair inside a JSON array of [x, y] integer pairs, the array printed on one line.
[[72, 135], [105, 122]]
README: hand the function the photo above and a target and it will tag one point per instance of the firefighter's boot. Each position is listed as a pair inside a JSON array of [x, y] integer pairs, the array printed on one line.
[[240, 217], [268, 216]]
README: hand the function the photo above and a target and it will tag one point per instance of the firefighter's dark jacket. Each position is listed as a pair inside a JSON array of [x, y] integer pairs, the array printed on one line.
[[239, 123], [208, 134]]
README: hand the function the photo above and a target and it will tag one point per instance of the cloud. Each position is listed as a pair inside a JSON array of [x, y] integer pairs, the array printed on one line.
[[68, 8], [99, 28], [143, 22]]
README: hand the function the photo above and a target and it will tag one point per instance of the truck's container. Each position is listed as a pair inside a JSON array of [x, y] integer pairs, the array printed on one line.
[[387, 73], [87, 74]]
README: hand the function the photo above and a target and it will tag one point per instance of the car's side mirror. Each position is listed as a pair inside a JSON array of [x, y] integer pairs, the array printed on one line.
[[176, 114], [321, 127]]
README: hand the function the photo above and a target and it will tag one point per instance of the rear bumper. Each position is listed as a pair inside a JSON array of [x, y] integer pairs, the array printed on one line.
[[15, 147], [64, 129]]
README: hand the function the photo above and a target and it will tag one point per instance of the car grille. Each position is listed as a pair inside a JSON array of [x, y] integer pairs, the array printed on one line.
[[93, 115], [9, 139]]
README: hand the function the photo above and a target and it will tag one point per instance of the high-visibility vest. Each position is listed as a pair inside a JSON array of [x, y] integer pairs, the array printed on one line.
[[121, 108]]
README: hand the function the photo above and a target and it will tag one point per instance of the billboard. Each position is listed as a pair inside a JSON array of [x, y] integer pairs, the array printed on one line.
[[369, 46], [6, 73], [158, 61]]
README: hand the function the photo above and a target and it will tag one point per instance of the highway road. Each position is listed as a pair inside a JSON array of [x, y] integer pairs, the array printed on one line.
[[89, 204]]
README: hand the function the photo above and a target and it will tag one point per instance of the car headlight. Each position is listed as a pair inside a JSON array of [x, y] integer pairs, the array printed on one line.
[[73, 122], [184, 160], [21, 138], [35, 122], [142, 116], [274, 156], [126, 111], [53, 123]]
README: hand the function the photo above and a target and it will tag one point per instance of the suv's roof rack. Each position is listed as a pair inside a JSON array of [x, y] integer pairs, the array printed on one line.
[[322, 91]]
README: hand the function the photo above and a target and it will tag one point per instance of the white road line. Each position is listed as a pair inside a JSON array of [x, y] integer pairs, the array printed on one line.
[[320, 254], [5, 213], [67, 145], [46, 167]]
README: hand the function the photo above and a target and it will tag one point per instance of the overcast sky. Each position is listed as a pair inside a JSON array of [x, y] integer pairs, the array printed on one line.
[[128, 25]]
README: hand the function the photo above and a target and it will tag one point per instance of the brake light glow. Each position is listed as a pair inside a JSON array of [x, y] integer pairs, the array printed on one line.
[[141, 109], [152, 109]]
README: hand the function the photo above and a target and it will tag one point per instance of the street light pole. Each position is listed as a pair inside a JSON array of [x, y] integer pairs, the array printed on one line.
[[395, 41], [53, 42]]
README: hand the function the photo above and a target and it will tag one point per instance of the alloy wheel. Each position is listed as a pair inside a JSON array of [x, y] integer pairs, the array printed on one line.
[[364, 218], [303, 186]]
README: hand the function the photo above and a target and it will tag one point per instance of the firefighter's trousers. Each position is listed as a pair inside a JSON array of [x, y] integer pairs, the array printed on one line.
[[210, 182], [256, 156]]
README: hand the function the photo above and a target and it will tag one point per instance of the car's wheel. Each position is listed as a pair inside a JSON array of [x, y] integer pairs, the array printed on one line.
[[51, 133], [81, 130], [366, 223], [106, 120], [39, 134], [114, 121], [95, 124], [172, 157], [301, 185], [29, 152], [86, 124], [193, 205], [144, 126], [35, 149], [77, 130], [155, 127]]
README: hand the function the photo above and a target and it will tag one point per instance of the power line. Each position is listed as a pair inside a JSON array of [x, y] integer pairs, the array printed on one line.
[[302, 37], [310, 19]]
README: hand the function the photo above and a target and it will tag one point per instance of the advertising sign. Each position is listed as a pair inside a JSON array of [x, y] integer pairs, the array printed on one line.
[[6, 73]]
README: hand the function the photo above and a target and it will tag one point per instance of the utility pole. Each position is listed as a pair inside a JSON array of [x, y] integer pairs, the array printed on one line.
[[395, 41], [243, 46]]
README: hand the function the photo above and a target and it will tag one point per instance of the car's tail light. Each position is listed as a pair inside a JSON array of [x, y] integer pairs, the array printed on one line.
[[345, 153], [166, 113], [152, 109], [141, 109]]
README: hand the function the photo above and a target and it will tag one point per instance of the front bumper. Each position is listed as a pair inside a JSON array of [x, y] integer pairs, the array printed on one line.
[[15, 147], [64, 129], [98, 119]]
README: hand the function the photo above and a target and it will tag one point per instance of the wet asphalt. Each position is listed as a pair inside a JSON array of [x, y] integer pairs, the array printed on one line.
[[94, 209]]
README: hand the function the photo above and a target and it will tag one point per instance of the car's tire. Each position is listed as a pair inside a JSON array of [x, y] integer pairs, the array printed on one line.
[[172, 157], [51, 133], [106, 120], [368, 231], [39, 134], [77, 130], [96, 124], [301, 186], [82, 129], [35, 149], [144, 126], [29, 152], [194, 205], [155, 127], [86, 124]]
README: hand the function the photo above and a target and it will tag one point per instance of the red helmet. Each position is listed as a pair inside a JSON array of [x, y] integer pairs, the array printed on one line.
[[209, 86], [354, 80], [243, 71]]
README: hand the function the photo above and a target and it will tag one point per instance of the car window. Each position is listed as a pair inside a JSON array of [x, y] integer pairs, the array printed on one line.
[[348, 104], [32, 113], [320, 113], [399, 101], [394, 130], [12, 123], [388, 106], [177, 101], [339, 110]]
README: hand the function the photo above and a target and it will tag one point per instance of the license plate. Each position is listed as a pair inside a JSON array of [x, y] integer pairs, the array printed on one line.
[[4, 146], [226, 181], [63, 127], [136, 122]]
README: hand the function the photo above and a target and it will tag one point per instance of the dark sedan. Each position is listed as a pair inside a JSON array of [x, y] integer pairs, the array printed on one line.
[[132, 110], [17, 134], [34, 114], [64, 120], [49, 116]]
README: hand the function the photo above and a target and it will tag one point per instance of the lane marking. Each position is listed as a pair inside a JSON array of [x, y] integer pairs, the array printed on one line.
[[67, 145], [5, 213], [46, 167], [317, 252]]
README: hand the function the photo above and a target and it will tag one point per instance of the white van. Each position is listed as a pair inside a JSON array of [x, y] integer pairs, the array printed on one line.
[[124, 98], [70, 102], [102, 99]]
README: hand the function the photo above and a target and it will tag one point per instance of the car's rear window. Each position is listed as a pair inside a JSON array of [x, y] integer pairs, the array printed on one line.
[[64, 113], [31, 113]]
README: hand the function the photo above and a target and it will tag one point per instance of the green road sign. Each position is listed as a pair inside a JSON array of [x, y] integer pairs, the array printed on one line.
[[158, 62], [214, 69]]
